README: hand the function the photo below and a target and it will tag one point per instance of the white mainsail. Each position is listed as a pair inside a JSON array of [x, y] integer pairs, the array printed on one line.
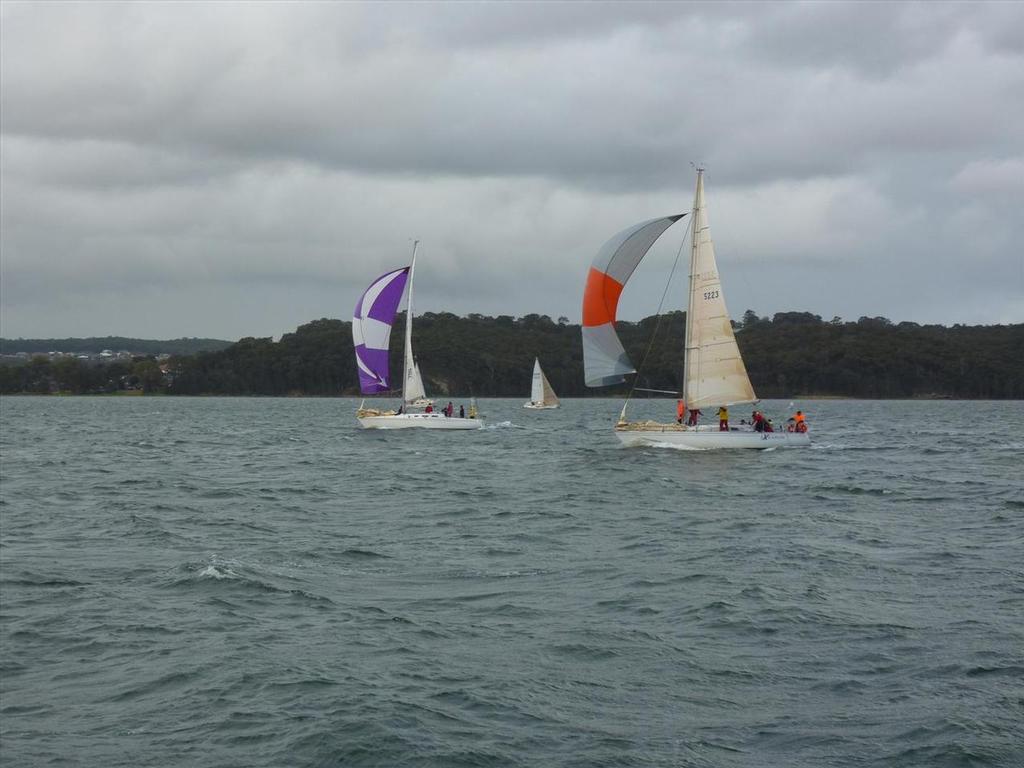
[[541, 392], [714, 372], [414, 389], [412, 383]]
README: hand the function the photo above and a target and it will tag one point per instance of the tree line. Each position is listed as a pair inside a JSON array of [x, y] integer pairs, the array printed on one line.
[[787, 355], [182, 346]]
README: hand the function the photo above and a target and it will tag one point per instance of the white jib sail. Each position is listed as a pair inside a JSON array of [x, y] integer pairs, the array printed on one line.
[[714, 370], [549, 394]]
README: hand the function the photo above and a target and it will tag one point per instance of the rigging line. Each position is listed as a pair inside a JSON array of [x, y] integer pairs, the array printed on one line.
[[657, 323]]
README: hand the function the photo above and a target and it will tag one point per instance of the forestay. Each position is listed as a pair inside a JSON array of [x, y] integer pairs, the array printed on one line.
[[371, 329], [714, 371], [604, 358]]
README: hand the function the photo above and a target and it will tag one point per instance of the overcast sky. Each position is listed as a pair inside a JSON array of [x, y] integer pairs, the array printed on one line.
[[226, 170]]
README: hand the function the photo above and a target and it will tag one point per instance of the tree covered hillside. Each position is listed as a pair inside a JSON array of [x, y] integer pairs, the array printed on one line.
[[791, 354]]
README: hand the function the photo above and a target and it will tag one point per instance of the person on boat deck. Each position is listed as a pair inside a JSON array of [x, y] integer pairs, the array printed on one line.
[[723, 419], [399, 411], [695, 413], [429, 409], [801, 422], [680, 410], [758, 421], [768, 426], [449, 410], [462, 411]]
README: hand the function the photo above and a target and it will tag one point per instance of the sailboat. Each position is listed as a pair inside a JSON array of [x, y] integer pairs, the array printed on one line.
[[371, 333], [542, 396], [713, 371]]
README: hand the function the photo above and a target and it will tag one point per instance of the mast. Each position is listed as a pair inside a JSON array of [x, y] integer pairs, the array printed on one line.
[[407, 367], [689, 343]]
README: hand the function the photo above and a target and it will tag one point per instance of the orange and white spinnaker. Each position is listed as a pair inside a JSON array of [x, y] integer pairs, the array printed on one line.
[[604, 359]]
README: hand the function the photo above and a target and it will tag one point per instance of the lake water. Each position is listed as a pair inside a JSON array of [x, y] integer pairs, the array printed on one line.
[[256, 582]]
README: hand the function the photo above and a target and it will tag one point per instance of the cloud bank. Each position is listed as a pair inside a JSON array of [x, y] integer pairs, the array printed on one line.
[[237, 169]]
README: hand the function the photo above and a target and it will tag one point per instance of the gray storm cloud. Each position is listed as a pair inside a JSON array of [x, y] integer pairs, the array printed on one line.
[[236, 169]]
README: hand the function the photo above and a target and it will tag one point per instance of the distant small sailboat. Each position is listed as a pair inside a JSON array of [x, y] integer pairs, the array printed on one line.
[[542, 396], [714, 372], [371, 333]]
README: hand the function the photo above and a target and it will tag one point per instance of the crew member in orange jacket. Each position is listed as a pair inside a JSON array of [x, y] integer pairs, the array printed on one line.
[[801, 422]]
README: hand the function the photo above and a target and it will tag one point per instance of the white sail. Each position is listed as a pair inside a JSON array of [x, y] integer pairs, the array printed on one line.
[[550, 398], [537, 387], [410, 378], [414, 389], [714, 371]]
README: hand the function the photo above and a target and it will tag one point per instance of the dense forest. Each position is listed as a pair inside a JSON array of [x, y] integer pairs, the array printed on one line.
[[788, 355]]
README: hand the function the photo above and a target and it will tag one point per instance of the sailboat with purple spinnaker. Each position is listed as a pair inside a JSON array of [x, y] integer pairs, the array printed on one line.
[[371, 334]]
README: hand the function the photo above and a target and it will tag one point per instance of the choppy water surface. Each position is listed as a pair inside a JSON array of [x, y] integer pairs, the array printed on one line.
[[228, 582]]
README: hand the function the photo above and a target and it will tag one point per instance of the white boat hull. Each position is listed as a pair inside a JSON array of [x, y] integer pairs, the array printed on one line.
[[710, 438], [418, 421], [536, 407]]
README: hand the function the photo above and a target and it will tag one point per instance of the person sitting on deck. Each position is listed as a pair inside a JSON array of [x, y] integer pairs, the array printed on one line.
[[429, 409], [723, 419], [695, 414]]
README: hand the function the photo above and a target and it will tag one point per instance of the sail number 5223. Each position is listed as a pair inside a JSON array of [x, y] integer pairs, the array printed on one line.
[[710, 295]]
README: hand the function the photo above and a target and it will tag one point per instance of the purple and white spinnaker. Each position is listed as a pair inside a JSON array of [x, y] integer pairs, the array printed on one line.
[[371, 329]]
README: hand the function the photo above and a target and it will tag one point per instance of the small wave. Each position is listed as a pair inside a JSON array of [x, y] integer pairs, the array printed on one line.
[[363, 554], [854, 490], [235, 577], [503, 425], [39, 580], [213, 572], [584, 652], [1013, 671]]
